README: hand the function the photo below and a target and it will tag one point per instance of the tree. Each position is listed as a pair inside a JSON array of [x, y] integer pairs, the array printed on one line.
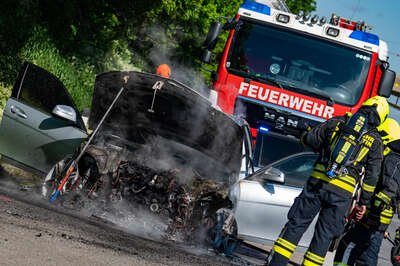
[[83, 33], [305, 5]]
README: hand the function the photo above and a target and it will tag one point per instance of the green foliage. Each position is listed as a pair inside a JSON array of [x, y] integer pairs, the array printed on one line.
[[305, 5], [118, 58], [5, 92], [77, 39], [77, 76]]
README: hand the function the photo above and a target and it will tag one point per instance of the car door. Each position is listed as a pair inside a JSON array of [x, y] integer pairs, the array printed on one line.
[[262, 205], [31, 136]]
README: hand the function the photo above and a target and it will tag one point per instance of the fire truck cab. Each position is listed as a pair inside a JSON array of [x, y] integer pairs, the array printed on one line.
[[284, 72]]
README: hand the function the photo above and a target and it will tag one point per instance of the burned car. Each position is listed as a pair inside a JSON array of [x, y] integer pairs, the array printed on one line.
[[161, 145]]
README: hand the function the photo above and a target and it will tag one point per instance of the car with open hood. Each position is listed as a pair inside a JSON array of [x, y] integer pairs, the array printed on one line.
[[162, 145], [41, 124]]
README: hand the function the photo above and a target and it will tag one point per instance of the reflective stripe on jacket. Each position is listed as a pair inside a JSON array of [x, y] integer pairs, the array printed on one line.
[[365, 160]]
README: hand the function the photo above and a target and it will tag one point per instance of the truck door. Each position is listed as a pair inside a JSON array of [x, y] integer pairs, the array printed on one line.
[[31, 136]]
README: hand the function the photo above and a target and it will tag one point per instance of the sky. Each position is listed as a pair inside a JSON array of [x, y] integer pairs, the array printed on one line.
[[382, 15]]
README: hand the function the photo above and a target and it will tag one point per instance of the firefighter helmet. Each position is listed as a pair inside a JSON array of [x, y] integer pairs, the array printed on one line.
[[381, 105], [163, 70], [389, 130]]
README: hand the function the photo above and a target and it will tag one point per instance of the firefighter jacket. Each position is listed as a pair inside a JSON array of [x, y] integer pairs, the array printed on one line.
[[381, 209], [366, 159]]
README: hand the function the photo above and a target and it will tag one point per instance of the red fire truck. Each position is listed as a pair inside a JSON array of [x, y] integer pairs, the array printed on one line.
[[283, 72]]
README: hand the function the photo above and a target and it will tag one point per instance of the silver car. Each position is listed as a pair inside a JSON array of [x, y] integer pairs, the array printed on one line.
[[262, 200]]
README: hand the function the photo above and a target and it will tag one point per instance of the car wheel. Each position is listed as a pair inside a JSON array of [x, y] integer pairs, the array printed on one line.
[[223, 235], [90, 183], [54, 177]]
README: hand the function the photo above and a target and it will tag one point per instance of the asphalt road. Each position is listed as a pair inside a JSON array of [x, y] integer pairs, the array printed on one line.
[[34, 232]]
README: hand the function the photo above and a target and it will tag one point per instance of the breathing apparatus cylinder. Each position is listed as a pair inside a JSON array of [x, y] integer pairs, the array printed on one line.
[[350, 136]]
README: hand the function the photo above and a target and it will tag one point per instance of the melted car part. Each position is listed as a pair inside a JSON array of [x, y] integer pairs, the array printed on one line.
[[181, 115]]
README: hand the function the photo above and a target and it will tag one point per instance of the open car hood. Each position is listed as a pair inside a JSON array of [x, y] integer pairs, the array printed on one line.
[[175, 121]]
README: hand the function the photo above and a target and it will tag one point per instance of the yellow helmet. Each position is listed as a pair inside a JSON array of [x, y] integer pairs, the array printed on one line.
[[389, 131], [381, 105]]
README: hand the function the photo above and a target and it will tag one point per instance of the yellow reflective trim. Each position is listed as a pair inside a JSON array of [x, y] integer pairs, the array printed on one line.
[[336, 263], [361, 154], [335, 135], [346, 146], [284, 252], [389, 210], [307, 262], [389, 216], [314, 257], [334, 181], [384, 220], [335, 132], [388, 213], [368, 188], [383, 197], [349, 179], [320, 167], [386, 151], [343, 152], [368, 140], [286, 243]]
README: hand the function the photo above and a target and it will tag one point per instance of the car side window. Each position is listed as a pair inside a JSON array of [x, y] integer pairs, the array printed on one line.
[[297, 170], [42, 91]]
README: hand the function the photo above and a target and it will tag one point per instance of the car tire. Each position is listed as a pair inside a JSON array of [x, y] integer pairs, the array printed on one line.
[[223, 236]]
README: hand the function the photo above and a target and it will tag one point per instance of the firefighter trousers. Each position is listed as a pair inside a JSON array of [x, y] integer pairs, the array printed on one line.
[[314, 199], [359, 246]]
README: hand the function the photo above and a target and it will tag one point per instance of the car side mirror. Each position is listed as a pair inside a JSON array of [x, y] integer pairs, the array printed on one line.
[[274, 175], [65, 112], [387, 81]]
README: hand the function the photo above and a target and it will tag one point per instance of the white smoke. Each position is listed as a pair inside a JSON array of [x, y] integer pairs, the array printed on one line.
[[163, 52]]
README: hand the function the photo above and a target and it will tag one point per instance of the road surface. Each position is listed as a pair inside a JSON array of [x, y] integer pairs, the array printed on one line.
[[34, 232], [39, 234]]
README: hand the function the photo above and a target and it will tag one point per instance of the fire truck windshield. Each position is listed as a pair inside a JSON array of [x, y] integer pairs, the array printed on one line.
[[298, 62]]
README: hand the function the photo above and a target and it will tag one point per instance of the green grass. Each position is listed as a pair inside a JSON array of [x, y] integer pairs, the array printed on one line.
[[75, 72], [78, 77], [5, 92]]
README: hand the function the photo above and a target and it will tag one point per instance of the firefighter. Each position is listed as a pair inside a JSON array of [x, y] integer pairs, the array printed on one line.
[[361, 243], [163, 70], [331, 196]]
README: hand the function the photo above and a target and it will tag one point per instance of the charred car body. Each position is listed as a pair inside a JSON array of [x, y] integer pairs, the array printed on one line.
[[162, 144]]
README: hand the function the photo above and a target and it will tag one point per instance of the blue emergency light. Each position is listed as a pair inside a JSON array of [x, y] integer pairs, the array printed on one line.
[[263, 129], [256, 7], [365, 37]]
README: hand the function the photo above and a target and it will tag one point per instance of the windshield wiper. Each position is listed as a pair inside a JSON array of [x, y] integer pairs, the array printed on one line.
[[315, 93], [319, 94], [272, 81]]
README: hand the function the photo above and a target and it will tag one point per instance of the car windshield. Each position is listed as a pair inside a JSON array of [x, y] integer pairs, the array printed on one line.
[[298, 62]]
